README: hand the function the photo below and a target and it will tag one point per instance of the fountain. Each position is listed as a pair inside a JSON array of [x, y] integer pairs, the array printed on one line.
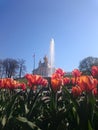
[[47, 67], [51, 58]]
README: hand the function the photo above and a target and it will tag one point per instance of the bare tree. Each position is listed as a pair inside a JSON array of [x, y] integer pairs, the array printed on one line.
[[22, 67], [1, 69], [10, 67]]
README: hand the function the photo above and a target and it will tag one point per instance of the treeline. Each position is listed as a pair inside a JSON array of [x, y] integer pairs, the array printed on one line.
[[12, 68]]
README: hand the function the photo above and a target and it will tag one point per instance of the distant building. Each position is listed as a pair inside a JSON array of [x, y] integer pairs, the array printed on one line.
[[44, 68]]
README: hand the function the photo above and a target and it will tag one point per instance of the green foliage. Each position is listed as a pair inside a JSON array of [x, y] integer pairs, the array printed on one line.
[[47, 110], [86, 64]]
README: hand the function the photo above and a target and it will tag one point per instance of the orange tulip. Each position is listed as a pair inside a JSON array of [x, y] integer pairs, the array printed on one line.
[[8, 83], [57, 80], [76, 91], [87, 83], [75, 80], [36, 80], [56, 84]]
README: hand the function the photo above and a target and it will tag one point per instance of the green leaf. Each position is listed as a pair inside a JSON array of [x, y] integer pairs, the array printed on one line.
[[4, 121], [29, 123], [34, 102], [89, 126]]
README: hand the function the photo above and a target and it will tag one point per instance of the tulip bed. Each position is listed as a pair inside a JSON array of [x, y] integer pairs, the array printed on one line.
[[58, 102]]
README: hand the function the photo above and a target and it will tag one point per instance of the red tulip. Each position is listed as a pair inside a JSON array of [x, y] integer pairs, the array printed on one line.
[[95, 91], [76, 73], [60, 72], [94, 71], [66, 81]]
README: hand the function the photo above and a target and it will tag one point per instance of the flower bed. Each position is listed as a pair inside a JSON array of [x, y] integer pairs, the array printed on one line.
[[54, 103]]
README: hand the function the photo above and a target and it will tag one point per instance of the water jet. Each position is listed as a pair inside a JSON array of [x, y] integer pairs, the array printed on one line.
[[51, 58]]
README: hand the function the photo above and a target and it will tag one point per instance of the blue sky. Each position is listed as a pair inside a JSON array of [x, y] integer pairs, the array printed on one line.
[[27, 26]]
